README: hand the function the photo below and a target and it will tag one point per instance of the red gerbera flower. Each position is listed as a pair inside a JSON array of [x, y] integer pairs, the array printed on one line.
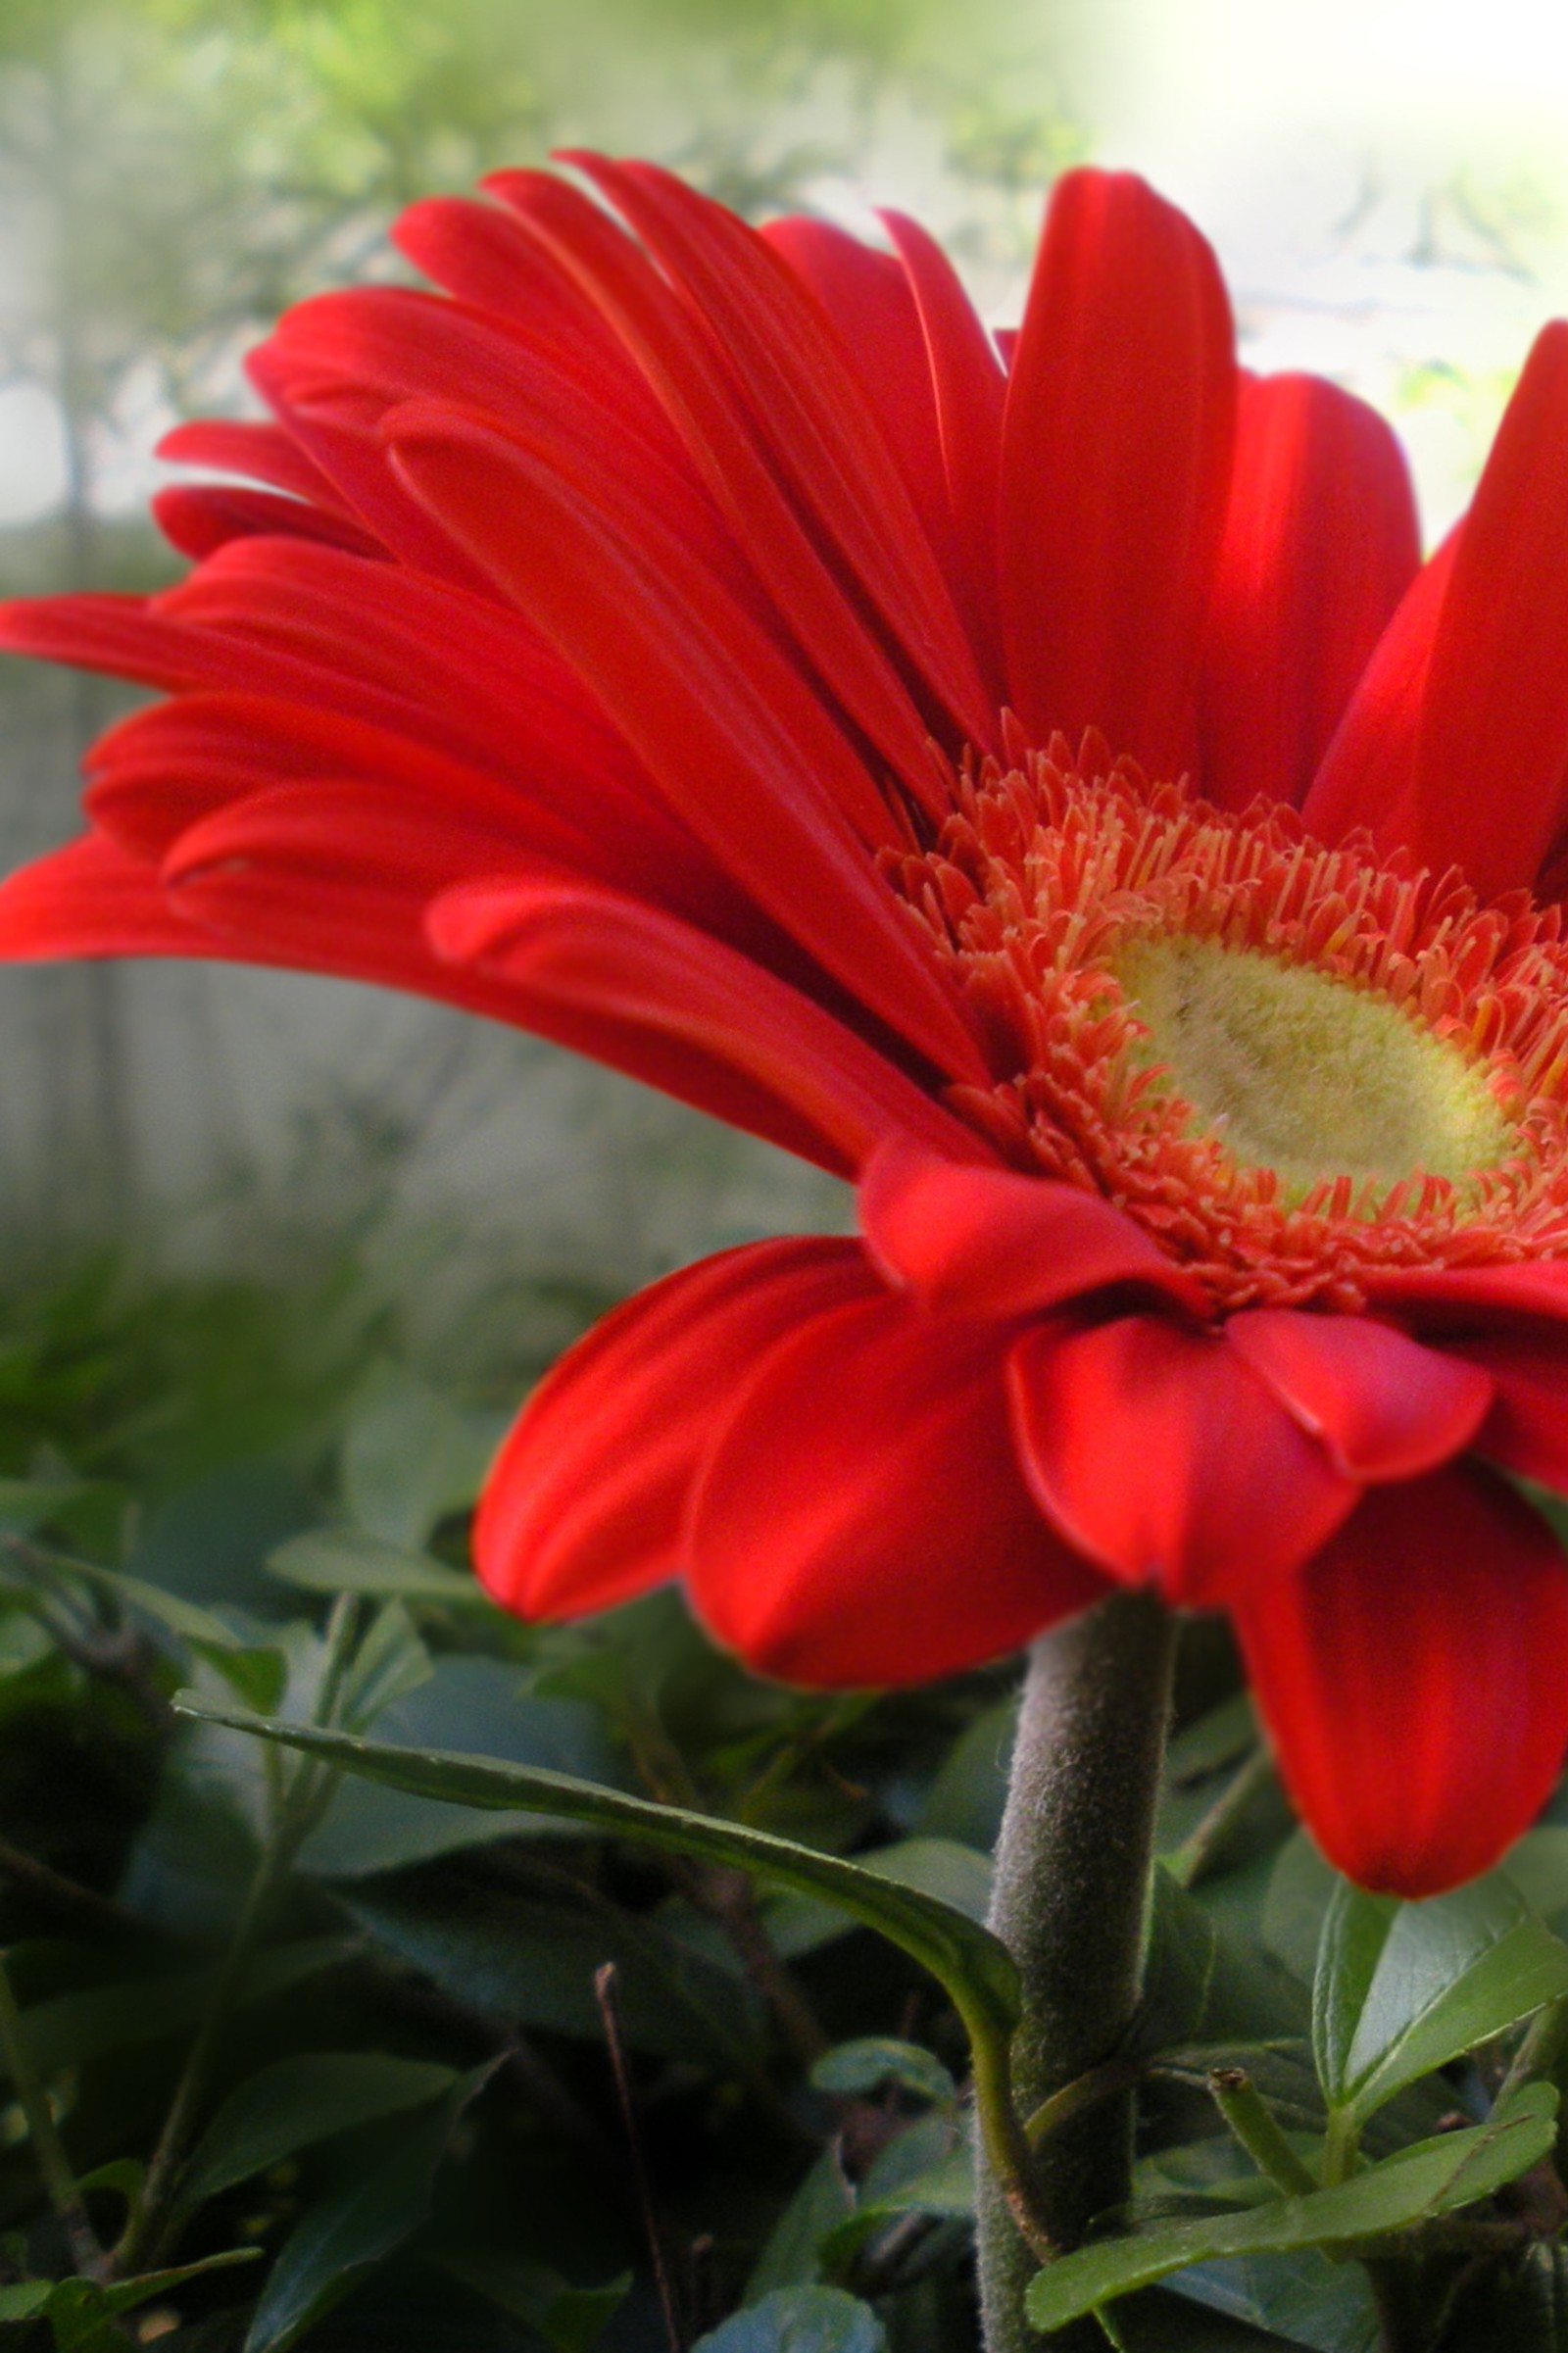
[[1044, 789]]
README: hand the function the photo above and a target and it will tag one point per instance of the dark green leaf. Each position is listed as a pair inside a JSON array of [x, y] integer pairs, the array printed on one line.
[[1402, 1988], [333, 2248], [570, 2320], [531, 1962], [972, 1964], [296, 2103], [74, 2029], [800, 2320], [208, 1546], [1432, 2178], [1525, 2312]]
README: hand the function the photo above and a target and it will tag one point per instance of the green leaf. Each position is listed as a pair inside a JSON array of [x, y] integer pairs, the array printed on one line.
[[1402, 1988], [82, 2312], [297, 2102], [408, 1458], [964, 1802], [1435, 2176], [1201, 1985], [1527, 2312], [344, 1560], [187, 1619], [73, 2028], [954, 1875], [800, 2320], [874, 2059], [209, 1542], [570, 2320], [333, 2247], [1304, 2298], [370, 1829], [390, 1661], [1300, 1888], [28, 1503], [973, 1964], [126, 2294], [25, 2299], [791, 2256]]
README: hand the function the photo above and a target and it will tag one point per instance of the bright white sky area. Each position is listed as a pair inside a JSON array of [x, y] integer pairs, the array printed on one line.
[[1386, 182]]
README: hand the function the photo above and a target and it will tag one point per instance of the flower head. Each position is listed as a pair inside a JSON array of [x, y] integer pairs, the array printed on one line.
[[1039, 783]]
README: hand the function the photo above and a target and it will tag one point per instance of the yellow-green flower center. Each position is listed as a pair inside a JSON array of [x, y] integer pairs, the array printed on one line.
[[1291, 1069], [1296, 1066]]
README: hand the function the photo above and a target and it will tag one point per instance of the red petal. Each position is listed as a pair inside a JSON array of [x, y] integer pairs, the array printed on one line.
[[1463, 1299], [1493, 750], [970, 388], [1383, 1406], [608, 955], [726, 441], [584, 1504], [1368, 768], [1527, 1429], [93, 899], [261, 452], [1320, 546], [196, 518], [1465, 761], [868, 297], [743, 749], [977, 1241], [1158, 1452], [822, 437], [861, 1519], [341, 878], [1115, 470], [478, 252], [1412, 1678]]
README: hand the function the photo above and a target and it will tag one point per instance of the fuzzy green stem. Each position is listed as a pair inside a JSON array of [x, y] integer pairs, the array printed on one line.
[[1071, 1904]]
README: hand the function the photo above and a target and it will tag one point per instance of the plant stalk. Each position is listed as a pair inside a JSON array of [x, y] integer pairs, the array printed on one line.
[[48, 2148], [1070, 1902]]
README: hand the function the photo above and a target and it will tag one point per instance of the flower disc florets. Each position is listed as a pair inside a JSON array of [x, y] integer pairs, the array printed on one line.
[[1293, 1066]]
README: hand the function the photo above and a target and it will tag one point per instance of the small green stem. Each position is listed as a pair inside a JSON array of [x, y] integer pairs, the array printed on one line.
[[146, 2232], [1070, 1902], [1237, 2101], [50, 2150], [1192, 1860], [1342, 2145], [1541, 2052], [1084, 2091], [298, 1798]]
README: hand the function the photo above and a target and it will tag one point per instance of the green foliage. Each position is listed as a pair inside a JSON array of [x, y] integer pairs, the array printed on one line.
[[331, 1999]]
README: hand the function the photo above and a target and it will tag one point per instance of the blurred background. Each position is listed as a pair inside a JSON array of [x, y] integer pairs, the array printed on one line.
[[1386, 182]]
